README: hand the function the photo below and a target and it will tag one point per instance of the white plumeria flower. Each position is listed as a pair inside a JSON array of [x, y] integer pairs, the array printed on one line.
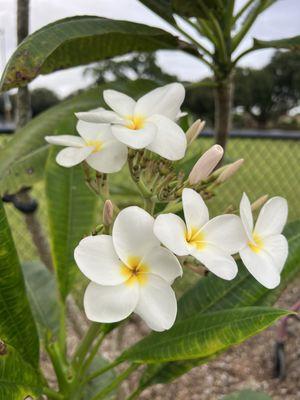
[[146, 123], [266, 250], [211, 242], [130, 272], [96, 145]]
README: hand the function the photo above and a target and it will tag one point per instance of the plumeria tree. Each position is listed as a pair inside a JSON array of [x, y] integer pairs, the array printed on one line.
[[134, 251], [211, 31]]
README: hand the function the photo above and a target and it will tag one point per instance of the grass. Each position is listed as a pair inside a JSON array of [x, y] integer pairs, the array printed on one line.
[[271, 167]]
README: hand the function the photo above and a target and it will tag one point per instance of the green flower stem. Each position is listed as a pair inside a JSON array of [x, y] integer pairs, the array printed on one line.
[[149, 205], [93, 331], [93, 353], [101, 371], [51, 394], [62, 329], [134, 395], [115, 383], [59, 366]]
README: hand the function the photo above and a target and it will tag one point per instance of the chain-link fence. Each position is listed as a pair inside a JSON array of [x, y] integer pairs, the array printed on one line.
[[272, 166]]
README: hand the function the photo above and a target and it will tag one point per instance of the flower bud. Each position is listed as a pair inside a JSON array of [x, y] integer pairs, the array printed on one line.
[[206, 164], [259, 202], [108, 213], [194, 131], [230, 170]]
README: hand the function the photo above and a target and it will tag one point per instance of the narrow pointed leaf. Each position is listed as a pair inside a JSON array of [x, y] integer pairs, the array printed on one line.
[[162, 8], [203, 335], [71, 214], [17, 327], [81, 40], [291, 43], [18, 379]]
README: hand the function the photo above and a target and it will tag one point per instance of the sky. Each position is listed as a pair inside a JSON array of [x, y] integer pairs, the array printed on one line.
[[280, 20]]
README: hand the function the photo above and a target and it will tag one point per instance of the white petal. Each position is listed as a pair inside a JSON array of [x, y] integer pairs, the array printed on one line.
[[277, 247], [171, 231], [261, 266], [272, 217], [90, 131], [133, 233], [194, 209], [98, 260], [65, 140], [226, 232], [157, 304], [163, 263], [170, 140], [135, 138], [119, 102], [165, 100], [110, 158], [100, 115], [110, 303], [71, 156], [216, 260], [246, 216]]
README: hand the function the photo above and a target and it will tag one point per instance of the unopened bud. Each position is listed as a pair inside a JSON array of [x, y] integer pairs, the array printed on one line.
[[229, 171], [259, 202], [194, 131], [206, 164], [108, 213]]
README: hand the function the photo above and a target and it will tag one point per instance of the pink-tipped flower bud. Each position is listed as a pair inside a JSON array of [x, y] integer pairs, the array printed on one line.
[[259, 202], [230, 170], [108, 213], [206, 164], [194, 131]]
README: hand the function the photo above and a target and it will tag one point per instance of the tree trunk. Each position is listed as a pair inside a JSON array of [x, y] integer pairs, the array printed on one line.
[[223, 108], [23, 96]]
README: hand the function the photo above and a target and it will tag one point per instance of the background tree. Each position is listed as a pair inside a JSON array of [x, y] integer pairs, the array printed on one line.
[[41, 99]]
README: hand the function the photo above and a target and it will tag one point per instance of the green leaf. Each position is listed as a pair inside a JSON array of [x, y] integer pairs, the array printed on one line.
[[23, 159], [163, 8], [17, 378], [292, 43], [71, 214], [203, 335], [17, 327], [213, 294], [200, 8], [81, 40], [95, 386], [247, 395], [41, 290]]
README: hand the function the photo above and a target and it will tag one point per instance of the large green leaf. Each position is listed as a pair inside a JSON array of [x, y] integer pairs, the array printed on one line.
[[22, 160], [41, 290], [291, 43], [163, 8], [81, 40], [71, 213], [17, 326], [17, 378], [203, 335], [212, 294]]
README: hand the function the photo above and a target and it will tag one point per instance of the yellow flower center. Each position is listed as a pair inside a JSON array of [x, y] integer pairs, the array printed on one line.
[[96, 144], [135, 271], [196, 238], [257, 244], [135, 122]]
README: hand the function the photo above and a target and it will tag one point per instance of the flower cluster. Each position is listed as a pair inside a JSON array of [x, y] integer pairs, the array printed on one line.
[[132, 269]]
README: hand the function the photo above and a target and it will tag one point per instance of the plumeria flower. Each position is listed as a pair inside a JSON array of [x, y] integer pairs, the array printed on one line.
[[266, 249], [96, 145], [130, 272], [146, 123], [210, 242]]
